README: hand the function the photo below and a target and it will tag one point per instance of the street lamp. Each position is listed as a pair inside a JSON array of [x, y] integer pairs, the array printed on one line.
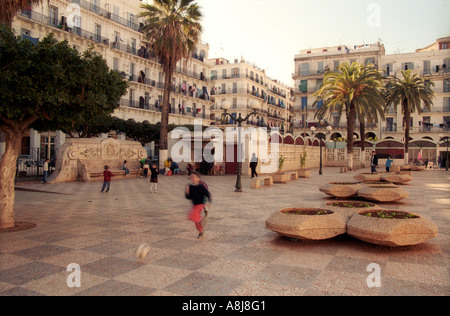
[[254, 105], [441, 137], [321, 137]]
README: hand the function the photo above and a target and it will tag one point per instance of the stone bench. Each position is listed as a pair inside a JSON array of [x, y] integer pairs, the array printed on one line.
[[255, 183], [118, 174], [293, 175]]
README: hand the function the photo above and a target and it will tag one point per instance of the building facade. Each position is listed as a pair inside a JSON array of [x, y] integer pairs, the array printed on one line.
[[239, 83], [431, 63], [112, 29]]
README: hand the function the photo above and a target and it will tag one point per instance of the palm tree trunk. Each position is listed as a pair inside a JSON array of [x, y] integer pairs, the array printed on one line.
[[407, 121], [163, 140], [351, 117], [13, 139], [362, 131]]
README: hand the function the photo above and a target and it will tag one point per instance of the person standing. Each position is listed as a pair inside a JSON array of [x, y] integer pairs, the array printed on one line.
[[146, 167], [154, 178], [253, 165], [45, 167], [374, 162], [197, 192], [107, 177], [125, 167], [389, 162]]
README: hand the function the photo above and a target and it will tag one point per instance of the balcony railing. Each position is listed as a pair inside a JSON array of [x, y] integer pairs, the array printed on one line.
[[38, 17]]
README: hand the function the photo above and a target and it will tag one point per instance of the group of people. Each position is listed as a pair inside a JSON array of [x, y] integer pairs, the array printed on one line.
[[197, 191]]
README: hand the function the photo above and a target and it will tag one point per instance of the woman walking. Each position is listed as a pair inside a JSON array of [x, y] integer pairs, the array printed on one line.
[[154, 178], [197, 192]]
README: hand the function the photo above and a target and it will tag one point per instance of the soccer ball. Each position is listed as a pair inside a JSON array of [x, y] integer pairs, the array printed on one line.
[[142, 251]]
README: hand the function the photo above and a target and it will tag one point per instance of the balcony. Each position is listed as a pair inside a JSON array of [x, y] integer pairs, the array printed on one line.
[[38, 17]]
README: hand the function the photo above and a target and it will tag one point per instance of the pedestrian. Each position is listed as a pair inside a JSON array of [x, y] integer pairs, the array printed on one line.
[[197, 192], [125, 167], [45, 170], [154, 178], [189, 169], [107, 177], [439, 162], [253, 165], [389, 162], [146, 167], [374, 162]]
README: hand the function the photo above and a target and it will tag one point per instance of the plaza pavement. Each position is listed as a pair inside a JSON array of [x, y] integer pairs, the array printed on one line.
[[238, 256]]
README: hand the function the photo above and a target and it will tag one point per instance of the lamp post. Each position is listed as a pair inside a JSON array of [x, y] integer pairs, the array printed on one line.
[[441, 137], [254, 105], [321, 137]]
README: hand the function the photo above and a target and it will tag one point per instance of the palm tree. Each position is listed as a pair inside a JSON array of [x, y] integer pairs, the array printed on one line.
[[9, 8], [352, 88], [173, 29], [409, 91]]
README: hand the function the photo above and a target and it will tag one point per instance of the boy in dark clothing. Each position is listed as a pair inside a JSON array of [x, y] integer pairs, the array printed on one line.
[[107, 177], [154, 179], [197, 192]]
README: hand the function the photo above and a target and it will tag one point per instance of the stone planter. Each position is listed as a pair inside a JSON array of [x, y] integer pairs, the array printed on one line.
[[341, 189], [380, 183], [363, 177], [390, 231], [405, 168], [396, 178], [379, 193], [417, 168], [304, 173], [350, 208], [281, 178], [307, 227]]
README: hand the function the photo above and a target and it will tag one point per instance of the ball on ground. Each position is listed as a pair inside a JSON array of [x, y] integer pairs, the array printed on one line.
[[142, 251]]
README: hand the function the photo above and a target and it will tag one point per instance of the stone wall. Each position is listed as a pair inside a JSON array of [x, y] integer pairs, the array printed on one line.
[[79, 157]]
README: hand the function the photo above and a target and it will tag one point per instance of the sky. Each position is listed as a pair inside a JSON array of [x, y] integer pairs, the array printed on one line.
[[270, 33]]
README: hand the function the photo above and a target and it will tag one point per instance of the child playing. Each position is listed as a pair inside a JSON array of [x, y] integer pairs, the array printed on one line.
[[107, 176], [197, 192], [154, 178]]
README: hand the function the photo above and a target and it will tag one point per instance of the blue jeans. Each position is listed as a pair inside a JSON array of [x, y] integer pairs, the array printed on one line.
[[106, 185], [374, 169], [127, 171], [45, 176]]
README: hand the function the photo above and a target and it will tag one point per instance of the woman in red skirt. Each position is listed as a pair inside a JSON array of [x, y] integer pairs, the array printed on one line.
[[197, 192]]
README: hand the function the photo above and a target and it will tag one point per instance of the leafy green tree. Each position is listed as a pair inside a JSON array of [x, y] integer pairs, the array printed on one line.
[[351, 89], [409, 91], [48, 86], [173, 29]]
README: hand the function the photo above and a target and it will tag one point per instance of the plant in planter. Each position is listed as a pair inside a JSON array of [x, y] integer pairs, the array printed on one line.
[[341, 189], [391, 228], [302, 173], [307, 223], [279, 177]]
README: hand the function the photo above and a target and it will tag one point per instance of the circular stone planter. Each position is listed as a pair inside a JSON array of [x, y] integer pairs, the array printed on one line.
[[341, 189], [396, 178], [307, 223], [390, 230], [417, 168], [379, 193], [380, 183], [350, 208], [363, 177]]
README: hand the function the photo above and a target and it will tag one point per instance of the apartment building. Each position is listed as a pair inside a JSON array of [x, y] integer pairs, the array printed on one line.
[[239, 83], [431, 63], [112, 29], [310, 67]]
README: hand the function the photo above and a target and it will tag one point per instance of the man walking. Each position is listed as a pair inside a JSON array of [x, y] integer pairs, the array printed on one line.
[[253, 165], [374, 162]]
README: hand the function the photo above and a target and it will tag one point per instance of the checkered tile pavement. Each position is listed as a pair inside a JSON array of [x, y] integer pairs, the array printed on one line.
[[238, 256]]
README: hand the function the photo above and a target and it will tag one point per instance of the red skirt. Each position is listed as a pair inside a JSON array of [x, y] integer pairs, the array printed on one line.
[[196, 213]]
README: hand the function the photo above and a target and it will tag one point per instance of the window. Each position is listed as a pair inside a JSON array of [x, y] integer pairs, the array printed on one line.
[[304, 103], [320, 67], [235, 73], [224, 73], [446, 105], [304, 69], [336, 64], [133, 46], [303, 86], [98, 32], [407, 66], [426, 67], [446, 85], [116, 64], [234, 87], [370, 60], [389, 69], [53, 16]]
